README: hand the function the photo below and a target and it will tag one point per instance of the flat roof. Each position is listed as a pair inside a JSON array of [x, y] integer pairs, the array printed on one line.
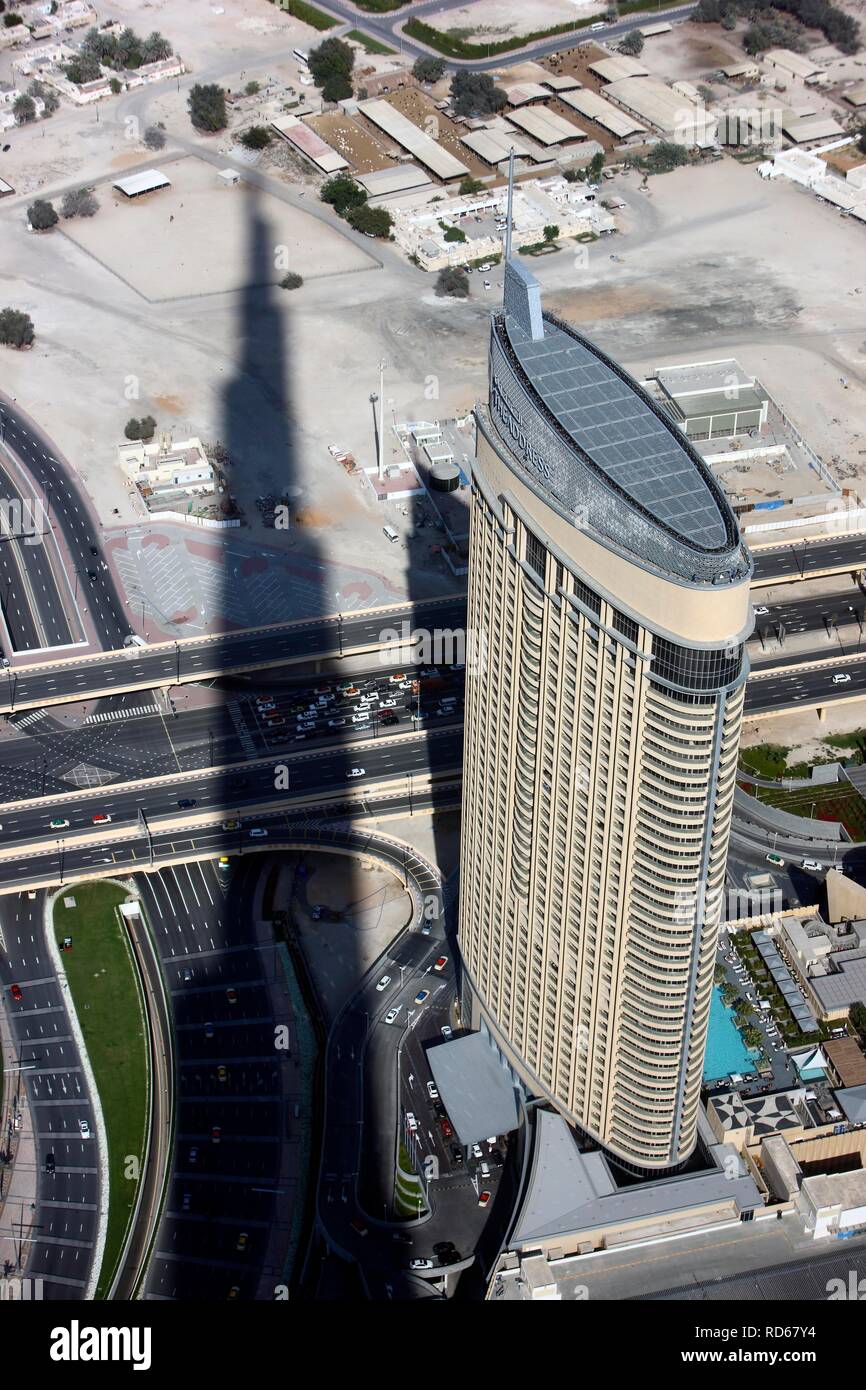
[[852, 1103], [604, 113], [617, 66], [649, 30], [396, 179], [855, 96], [693, 378], [800, 128], [494, 145], [412, 138], [741, 69], [545, 126], [309, 143], [145, 182], [613, 423], [476, 1089], [847, 1059]]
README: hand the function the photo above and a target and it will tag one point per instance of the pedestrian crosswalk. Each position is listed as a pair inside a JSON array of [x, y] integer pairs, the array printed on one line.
[[21, 721], [127, 712]]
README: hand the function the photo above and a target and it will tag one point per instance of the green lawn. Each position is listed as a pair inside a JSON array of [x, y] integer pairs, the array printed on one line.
[[371, 45], [104, 987], [837, 802]]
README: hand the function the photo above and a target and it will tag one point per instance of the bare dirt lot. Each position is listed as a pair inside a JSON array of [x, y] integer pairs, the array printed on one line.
[[194, 238], [488, 19], [364, 152]]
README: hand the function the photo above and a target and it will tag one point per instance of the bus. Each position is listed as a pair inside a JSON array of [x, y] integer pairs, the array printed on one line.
[[302, 57]]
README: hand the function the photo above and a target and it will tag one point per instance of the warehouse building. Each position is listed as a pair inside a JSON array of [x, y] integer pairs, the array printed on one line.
[[712, 400], [494, 145], [672, 114], [546, 127], [603, 112], [789, 64], [148, 181], [803, 129], [425, 150], [309, 144], [618, 66]]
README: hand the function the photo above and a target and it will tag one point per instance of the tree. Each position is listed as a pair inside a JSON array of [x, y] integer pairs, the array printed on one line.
[[551, 232], [83, 68], [24, 109], [729, 20], [342, 192], [154, 138], [46, 94], [665, 156], [452, 282], [256, 138], [632, 44], [470, 185], [147, 425], [10, 20], [252, 89], [428, 70], [373, 221], [452, 233], [331, 65], [594, 168], [207, 107], [16, 328], [475, 94], [132, 429], [857, 1012], [116, 85], [41, 215], [155, 48], [291, 281], [79, 203]]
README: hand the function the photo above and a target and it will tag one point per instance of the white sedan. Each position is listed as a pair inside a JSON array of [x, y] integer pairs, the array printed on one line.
[[383, 983]]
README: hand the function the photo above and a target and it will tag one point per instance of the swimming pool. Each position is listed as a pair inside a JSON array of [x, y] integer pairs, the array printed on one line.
[[726, 1051]]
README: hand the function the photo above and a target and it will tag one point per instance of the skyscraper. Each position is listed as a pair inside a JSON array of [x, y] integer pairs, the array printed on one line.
[[609, 593]]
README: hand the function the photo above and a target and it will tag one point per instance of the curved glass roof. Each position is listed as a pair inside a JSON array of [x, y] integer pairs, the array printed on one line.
[[613, 423]]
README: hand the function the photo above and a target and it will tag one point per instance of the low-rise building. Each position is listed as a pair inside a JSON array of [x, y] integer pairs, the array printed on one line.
[[163, 470]]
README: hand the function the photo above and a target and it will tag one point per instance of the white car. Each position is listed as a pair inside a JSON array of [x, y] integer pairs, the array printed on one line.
[[387, 704], [420, 1264], [432, 1091], [760, 611], [841, 678], [84, 1129], [477, 1151], [360, 719], [446, 1031], [383, 983], [814, 865], [411, 1122], [392, 1014], [356, 772]]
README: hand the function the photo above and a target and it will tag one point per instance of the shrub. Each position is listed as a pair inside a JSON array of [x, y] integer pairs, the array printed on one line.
[[41, 215], [452, 233], [453, 283], [256, 138], [428, 69], [132, 429], [470, 185], [154, 138], [79, 203], [374, 221], [551, 232], [16, 328], [632, 44], [342, 192], [252, 89], [140, 429], [291, 281]]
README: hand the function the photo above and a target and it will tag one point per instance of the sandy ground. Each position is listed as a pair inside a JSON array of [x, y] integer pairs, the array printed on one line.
[[194, 238], [364, 152], [802, 733], [488, 19]]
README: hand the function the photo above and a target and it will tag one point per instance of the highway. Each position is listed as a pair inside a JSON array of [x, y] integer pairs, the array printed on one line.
[[809, 559], [57, 1240], [30, 601]]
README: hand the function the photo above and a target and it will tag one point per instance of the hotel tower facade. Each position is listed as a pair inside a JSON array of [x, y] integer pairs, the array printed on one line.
[[608, 607]]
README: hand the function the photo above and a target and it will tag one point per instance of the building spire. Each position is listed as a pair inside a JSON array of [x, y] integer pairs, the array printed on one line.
[[510, 201]]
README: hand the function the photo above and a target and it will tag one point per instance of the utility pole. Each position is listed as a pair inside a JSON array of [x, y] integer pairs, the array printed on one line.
[[381, 469]]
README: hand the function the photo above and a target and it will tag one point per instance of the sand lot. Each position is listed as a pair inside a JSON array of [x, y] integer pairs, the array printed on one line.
[[194, 238], [488, 19]]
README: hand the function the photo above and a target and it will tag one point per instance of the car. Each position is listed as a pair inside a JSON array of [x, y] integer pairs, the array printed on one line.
[[383, 983], [392, 1014], [232, 995], [273, 720], [193, 1155], [305, 724], [387, 704], [343, 687], [411, 1122], [483, 1199], [50, 1163], [222, 1074], [187, 1202], [258, 832], [231, 825], [356, 772], [487, 285], [101, 818], [265, 701], [92, 576], [216, 1134], [84, 1129], [397, 677], [389, 717], [15, 991], [426, 928], [421, 996], [760, 611], [814, 865], [360, 718], [186, 803], [187, 977], [456, 1154], [420, 1264], [441, 963], [446, 1031], [841, 678], [445, 1126], [432, 1091], [777, 860], [358, 1226], [350, 690], [242, 1241], [337, 723], [58, 823], [477, 1151]]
